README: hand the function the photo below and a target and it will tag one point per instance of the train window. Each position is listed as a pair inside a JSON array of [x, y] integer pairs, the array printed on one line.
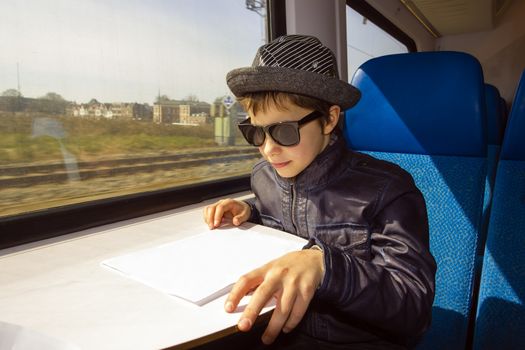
[[370, 35], [117, 97]]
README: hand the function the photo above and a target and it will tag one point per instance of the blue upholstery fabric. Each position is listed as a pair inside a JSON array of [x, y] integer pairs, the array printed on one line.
[[493, 152], [500, 319], [453, 188], [495, 128], [514, 147], [413, 107], [413, 113]]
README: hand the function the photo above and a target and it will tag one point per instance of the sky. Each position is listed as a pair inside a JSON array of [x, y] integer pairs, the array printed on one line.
[[365, 40], [125, 50]]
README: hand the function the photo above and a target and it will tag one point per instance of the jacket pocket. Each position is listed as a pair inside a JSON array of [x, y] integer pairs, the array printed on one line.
[[348, 237], [272, 222]]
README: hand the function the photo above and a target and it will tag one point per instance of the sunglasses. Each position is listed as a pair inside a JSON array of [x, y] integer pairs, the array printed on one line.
[[283, 133]]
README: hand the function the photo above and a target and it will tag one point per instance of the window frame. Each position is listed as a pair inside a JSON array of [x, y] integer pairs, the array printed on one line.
[[53, 222], [34, 226], [366, 10], [276, 11]]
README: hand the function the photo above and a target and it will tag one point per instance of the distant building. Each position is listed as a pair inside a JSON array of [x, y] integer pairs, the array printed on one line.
[[119, 110], [131, 111], [195, 119], [181, 112], [166, 112]]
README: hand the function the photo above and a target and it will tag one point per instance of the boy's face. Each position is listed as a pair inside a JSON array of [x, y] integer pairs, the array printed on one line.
[[289, 161]]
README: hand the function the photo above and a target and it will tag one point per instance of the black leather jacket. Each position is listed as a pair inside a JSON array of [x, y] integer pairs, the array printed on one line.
[[371, 222]]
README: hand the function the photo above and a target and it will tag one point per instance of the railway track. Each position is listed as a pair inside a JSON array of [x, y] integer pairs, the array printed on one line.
[[29, 175]]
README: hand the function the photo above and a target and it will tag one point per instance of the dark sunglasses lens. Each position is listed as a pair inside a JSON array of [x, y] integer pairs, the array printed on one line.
[[258, 136], [253, 135], [247, 131], [285, 134]]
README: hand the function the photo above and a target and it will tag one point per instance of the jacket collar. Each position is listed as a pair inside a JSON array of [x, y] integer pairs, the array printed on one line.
[[323, 168]]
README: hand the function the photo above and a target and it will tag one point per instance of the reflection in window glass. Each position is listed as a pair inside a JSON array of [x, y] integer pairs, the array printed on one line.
[[365, 40], [103, 98]]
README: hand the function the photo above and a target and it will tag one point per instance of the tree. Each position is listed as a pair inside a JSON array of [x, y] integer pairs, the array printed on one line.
[[11, 93], [53, 96], [191, 98], [162, 98], [51, 103]]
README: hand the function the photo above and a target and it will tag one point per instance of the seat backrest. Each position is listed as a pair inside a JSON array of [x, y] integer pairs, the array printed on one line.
[[500, 319], [426, 112], [495, 129], [495, 116], [504, 110]]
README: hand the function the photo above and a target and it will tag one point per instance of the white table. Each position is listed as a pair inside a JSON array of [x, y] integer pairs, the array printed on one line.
[[58, 288]]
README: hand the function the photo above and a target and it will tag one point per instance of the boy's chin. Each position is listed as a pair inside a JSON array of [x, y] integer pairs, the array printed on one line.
[[287, 173]]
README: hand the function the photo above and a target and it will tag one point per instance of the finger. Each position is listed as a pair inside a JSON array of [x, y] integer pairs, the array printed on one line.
[[244, 215], [223, 207], [298, 310], [209, 214], [242, 287], [260, 298], [280, 316], [219, 213], [239, 219]]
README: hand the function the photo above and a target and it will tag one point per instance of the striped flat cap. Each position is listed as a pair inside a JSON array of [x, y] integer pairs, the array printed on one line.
[[297, 64]]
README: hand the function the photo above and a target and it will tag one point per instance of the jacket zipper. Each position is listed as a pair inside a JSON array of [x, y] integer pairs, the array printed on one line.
[[292, 209]]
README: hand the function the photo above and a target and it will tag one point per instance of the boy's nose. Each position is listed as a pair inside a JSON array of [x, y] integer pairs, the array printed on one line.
[[269, 147]]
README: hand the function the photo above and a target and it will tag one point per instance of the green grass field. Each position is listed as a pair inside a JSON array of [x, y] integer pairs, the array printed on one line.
[[24, 140], [39, 139]]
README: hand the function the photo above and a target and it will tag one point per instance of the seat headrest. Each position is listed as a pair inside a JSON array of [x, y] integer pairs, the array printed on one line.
[[423, 103], [513, 147]]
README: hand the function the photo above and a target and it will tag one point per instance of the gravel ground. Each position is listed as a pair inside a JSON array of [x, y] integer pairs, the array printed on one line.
[[20, 200]]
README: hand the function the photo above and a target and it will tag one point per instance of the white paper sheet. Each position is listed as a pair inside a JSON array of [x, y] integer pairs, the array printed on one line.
[[206, 265]]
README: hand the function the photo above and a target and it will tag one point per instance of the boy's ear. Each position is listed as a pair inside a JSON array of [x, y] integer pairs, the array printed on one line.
[[333, 119]]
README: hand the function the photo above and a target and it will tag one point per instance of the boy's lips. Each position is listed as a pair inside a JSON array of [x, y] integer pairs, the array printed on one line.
[[280, 165]]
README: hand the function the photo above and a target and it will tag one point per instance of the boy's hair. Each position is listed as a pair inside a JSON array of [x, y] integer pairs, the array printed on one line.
[[260, 101]]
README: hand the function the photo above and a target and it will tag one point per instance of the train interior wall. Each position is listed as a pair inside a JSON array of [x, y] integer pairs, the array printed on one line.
[[501, 50]]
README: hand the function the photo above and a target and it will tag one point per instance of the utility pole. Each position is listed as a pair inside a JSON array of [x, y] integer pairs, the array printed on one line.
[[18, 78], [259, 7]]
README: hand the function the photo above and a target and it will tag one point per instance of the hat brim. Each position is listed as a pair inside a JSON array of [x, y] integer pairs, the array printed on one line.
[[254, 79]]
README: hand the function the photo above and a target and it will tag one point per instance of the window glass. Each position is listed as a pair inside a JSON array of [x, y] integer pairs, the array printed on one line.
[[101, 98], [365, 40]]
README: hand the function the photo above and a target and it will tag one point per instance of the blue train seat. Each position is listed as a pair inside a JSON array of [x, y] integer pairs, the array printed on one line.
[[500, 319], [426, 112], [495, 117], [495, 129], [504, 110]]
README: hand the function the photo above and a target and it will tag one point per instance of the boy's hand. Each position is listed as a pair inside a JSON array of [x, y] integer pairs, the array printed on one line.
[[237, 210], [292, 279]]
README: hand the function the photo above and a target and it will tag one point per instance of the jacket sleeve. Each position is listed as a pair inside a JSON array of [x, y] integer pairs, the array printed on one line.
[[394, 290], [255, 216]]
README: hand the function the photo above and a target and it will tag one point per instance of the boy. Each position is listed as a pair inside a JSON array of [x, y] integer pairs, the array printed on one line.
[[366, 277]]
